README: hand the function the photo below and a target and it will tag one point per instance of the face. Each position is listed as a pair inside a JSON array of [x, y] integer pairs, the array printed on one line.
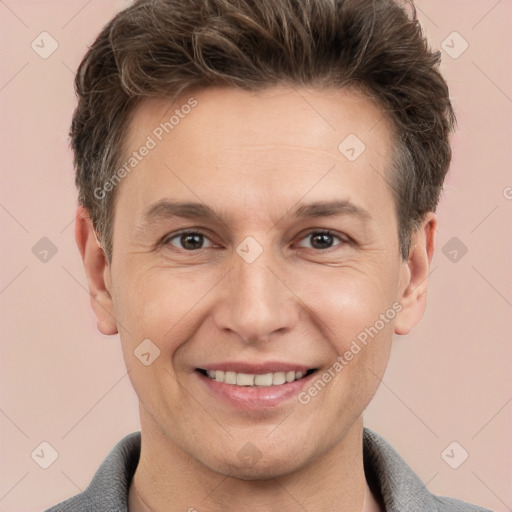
[[287, 257]]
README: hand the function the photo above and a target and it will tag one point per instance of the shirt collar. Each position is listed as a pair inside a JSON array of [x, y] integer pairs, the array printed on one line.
[[399, 487]]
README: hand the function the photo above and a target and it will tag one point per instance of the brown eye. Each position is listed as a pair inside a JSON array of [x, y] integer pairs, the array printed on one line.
[[322, 239], [188, 240]]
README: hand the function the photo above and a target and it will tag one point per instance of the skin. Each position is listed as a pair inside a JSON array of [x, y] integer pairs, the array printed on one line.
[[254, 157]]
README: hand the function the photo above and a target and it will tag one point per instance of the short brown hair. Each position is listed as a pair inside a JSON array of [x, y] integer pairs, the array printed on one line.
[[161, 48]]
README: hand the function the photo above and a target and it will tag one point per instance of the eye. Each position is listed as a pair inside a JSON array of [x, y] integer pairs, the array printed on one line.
[[194, 240], [322, 239], [188, 240]]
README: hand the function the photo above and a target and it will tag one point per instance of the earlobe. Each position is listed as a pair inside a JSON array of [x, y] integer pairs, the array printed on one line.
[[414, 276], [97, 271]]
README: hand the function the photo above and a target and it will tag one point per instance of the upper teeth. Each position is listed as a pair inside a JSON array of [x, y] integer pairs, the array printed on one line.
[[249, 379]]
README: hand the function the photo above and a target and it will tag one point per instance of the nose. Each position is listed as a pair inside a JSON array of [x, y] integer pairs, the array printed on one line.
[[255, 302]]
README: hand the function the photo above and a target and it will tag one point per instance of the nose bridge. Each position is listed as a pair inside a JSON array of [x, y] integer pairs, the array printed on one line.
[[256, 301]]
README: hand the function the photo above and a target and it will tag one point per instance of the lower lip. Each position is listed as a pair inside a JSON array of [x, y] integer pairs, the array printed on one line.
[[248, 397]]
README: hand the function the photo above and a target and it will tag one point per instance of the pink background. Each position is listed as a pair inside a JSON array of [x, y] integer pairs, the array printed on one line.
[[64, 383]]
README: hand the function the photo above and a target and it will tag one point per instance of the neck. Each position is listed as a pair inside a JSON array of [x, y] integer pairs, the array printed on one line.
[[168, 479]]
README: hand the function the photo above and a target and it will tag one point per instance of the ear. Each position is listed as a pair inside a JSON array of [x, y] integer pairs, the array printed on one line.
[[97, 271], [414, 276]]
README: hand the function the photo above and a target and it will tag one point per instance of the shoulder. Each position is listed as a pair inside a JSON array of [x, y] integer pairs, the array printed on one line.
[[109, 487], [399, 487], [445, 504]]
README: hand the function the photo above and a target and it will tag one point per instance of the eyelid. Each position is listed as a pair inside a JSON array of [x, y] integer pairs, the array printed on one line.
[[345, 239], [341, 236], [189, 231]]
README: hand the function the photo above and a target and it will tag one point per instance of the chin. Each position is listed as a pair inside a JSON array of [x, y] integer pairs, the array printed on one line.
[[249, 463], [267, 470]]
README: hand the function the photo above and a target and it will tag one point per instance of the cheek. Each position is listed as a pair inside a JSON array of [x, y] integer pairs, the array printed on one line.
[[347, 301], [158, 311], [355, 314], [354, 311], [166, 305], [155, 303]]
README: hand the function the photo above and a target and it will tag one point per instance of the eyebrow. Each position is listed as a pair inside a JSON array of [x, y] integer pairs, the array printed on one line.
[[165, 209]]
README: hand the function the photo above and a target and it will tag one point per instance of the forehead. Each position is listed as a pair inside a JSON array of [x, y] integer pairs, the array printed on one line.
[[314, 118], [221, 145]]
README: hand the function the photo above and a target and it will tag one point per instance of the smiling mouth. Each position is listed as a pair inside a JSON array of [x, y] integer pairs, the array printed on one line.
[[255, 380]]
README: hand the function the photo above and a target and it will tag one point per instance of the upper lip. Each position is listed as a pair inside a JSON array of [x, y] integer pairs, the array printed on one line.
[[256, 368]]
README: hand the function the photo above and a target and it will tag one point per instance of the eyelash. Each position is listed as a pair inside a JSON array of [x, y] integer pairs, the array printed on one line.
[[343, 239]]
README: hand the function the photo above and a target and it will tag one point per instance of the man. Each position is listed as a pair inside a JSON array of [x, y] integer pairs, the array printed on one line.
[[257, 185]]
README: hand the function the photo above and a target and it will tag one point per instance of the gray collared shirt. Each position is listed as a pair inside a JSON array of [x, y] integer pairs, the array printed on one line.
[[400, 488]]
